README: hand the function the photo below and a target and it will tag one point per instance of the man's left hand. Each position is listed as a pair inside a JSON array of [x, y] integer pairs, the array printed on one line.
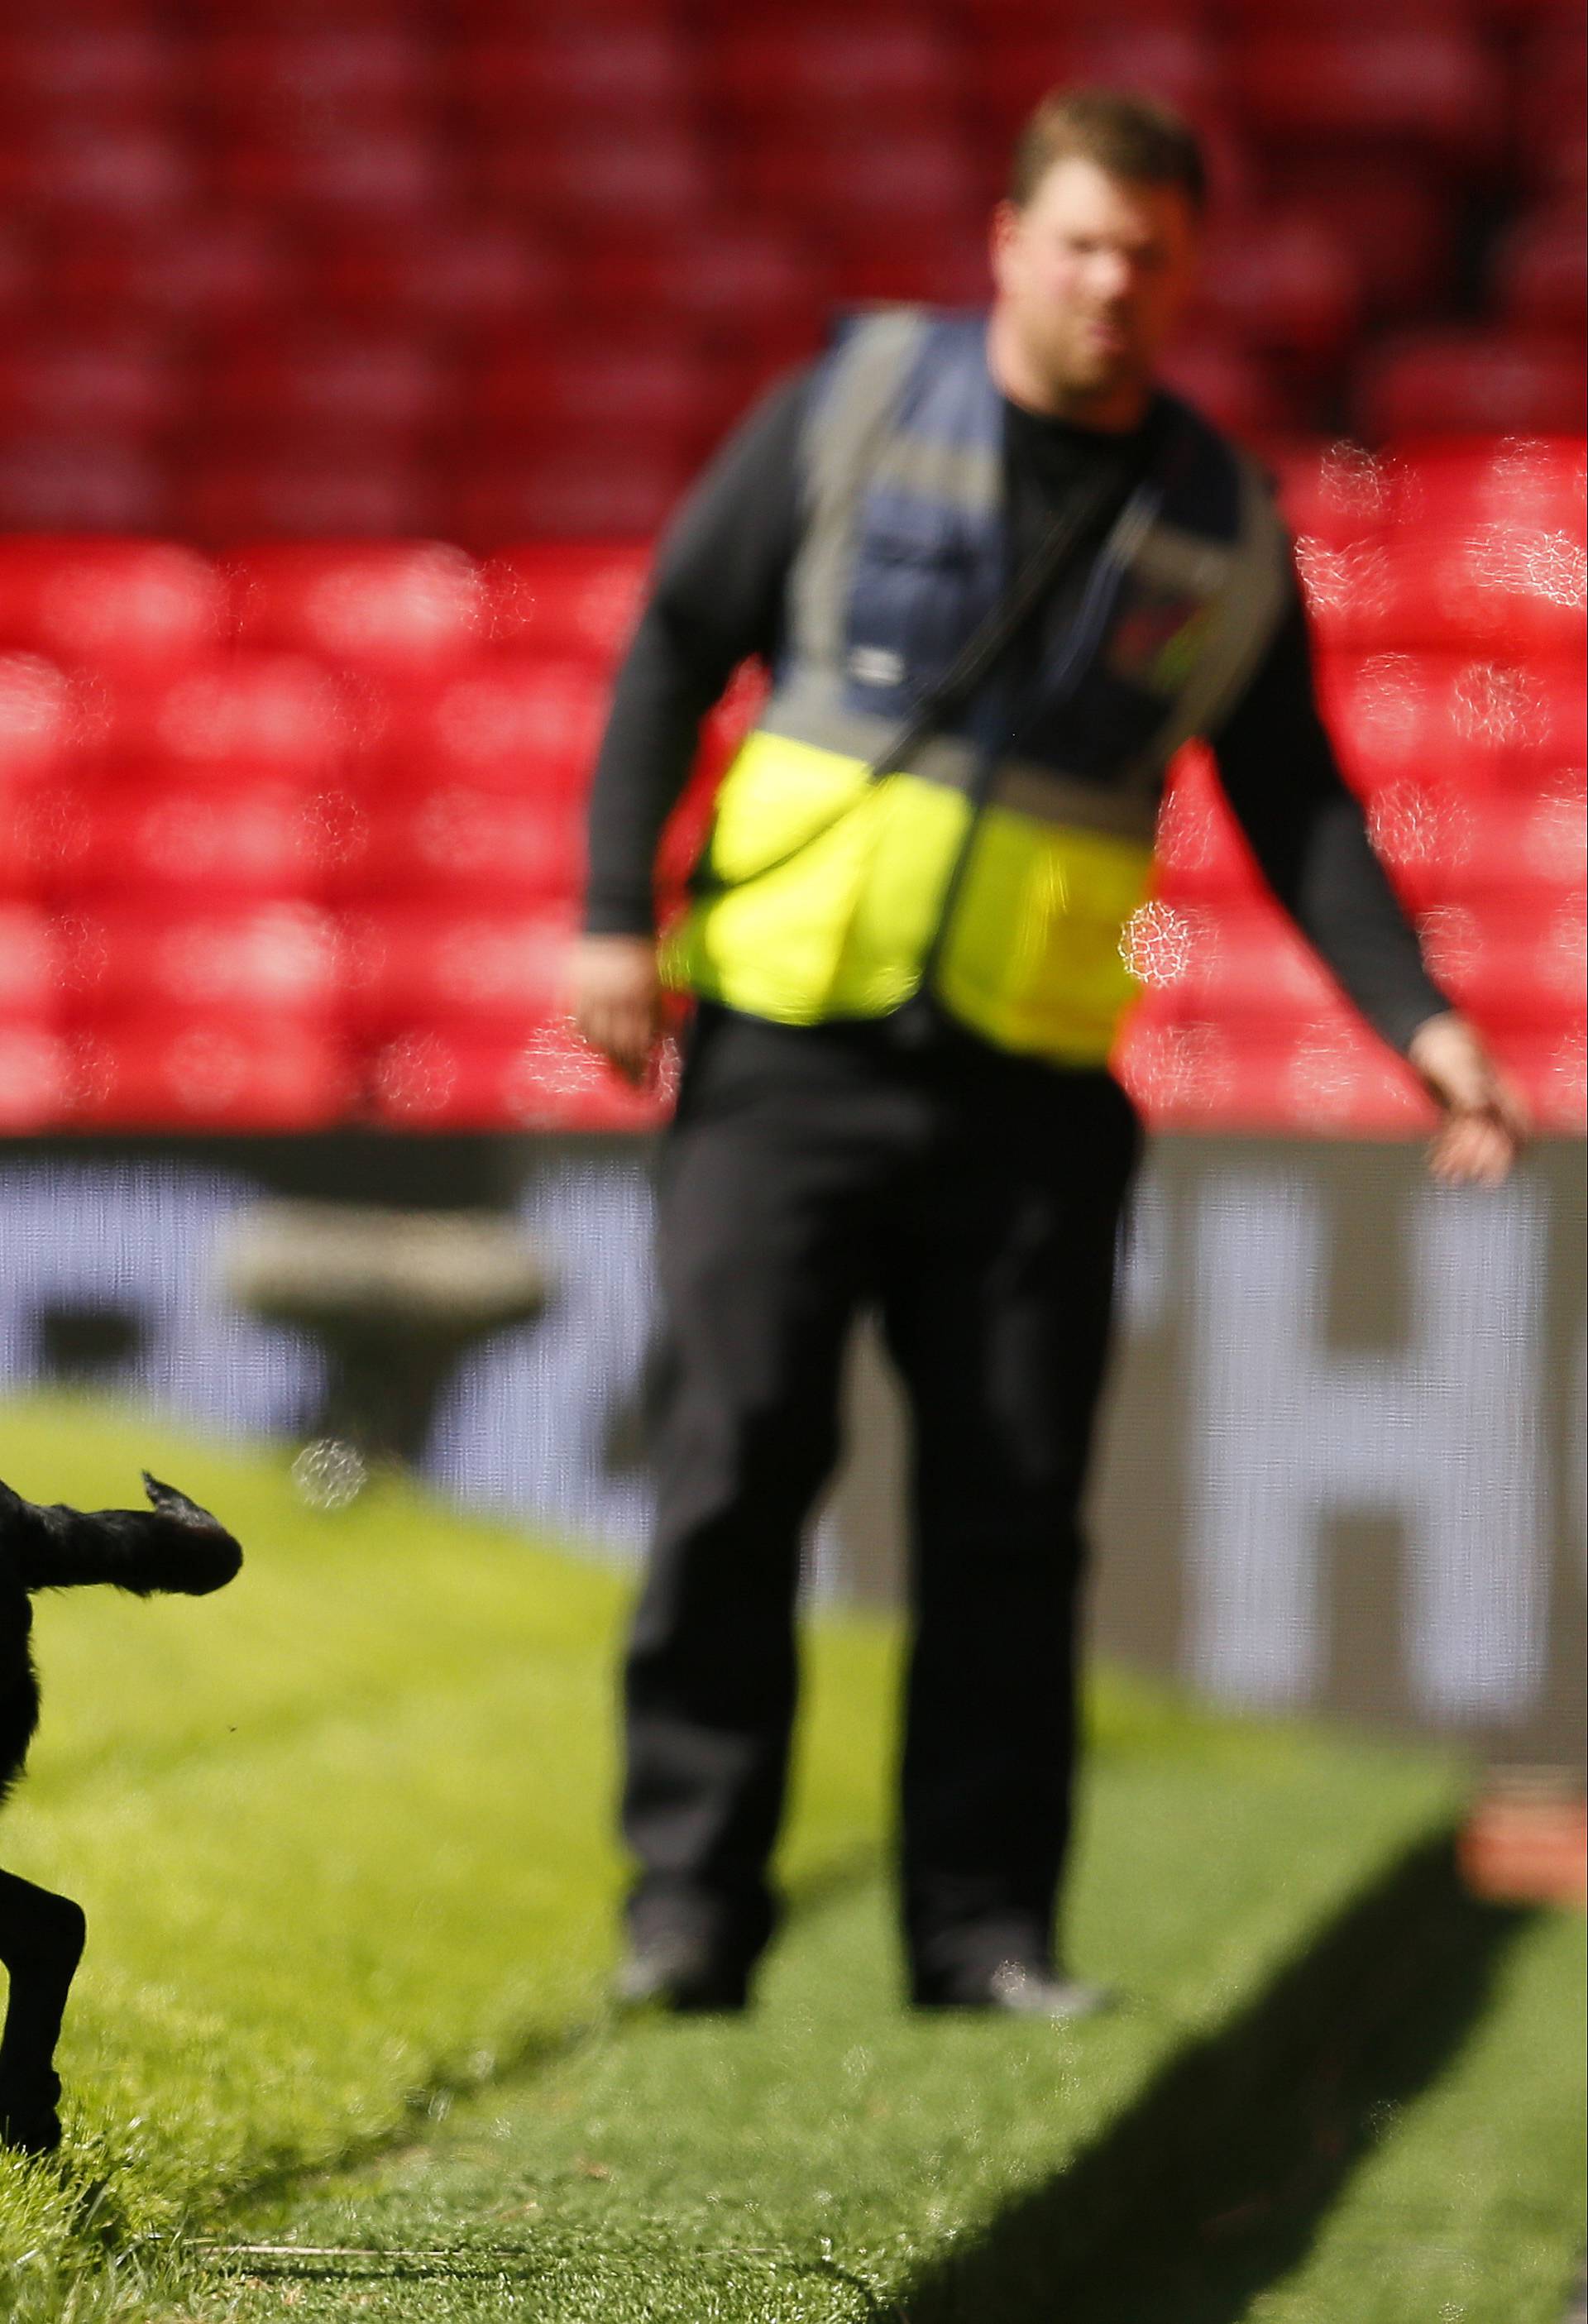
[[1486, 1123]]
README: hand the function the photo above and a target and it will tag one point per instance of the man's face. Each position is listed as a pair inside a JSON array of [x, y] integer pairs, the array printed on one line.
[[1093, 275]]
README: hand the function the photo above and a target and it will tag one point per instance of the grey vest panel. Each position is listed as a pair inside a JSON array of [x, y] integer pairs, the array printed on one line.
[[929, 500]]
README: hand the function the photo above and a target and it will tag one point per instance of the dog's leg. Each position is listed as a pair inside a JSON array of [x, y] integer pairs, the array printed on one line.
[[41, 1944]]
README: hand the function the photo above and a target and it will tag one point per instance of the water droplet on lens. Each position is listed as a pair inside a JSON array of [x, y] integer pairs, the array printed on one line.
[[329, 1474]]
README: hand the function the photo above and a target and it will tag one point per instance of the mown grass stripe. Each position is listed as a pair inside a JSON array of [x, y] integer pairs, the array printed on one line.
[[834, 2118], [471, 2262]]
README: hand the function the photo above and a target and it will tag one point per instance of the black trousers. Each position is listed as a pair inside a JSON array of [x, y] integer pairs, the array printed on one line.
[[973, 1200]]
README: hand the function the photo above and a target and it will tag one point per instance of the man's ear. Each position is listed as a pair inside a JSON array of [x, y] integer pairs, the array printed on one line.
[[1001, 237]]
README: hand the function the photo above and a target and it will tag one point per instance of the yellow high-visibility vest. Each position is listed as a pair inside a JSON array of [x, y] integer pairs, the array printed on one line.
[[1005, 877]]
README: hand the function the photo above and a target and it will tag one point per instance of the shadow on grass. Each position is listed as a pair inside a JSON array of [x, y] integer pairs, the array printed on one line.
[[1212, 2186]]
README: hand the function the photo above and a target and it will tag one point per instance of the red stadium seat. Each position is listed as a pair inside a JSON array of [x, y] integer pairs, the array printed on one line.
[[1332, 1079], [121, 381], [467, 840], [763, 285], [1529, 482], [41, 718], [393, 174], [133, 174], [312, 491], [878, 71], [1163, 54], [615, 75], [442, 1076], [1398, 222], [101, 72], [1418, 84], [512, 721], [985, 19], [1469, 382], [1336, 493], [1343, 494], [175, 838], [1554, 1074], [1547, 111], [119, 605], [278, 959], [342, 76], [655, 179], [944, 268], [392, 606], [592, 490], [1232, 385], [21, 271], [1510, 589], [410, 964], [36, 1078], [1510, 715], [1240, 963], [1441, 723], [1202, 858], [1339, 1080], [545, 19], [1465, 544], [274, 16], [1538, 276], [356, 383], [1238, 16], [662, 388], [922, 183], [1287, 282], [573, 602], [1526, 843], [198, 270], [226, 1071], [1512, 968], [239, 713], [1007, 67], [1340, 1083], [469, 273], [32, 968]]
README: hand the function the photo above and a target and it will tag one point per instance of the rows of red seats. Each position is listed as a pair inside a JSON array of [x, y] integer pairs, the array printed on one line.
[[1445, 586], [500, 270], [296, 838], [299, 838]]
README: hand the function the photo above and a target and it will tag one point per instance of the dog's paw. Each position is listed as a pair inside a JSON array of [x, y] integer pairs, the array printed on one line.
[[29, 2122], [209, 1557]]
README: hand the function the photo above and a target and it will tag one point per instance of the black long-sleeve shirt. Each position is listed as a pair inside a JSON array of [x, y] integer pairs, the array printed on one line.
[[717, 598]]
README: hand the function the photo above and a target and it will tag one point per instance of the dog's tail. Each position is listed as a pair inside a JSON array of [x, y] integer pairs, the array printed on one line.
[[172, 1544]]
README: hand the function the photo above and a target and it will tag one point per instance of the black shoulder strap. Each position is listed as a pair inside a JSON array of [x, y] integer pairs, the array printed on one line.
[[980, 652]]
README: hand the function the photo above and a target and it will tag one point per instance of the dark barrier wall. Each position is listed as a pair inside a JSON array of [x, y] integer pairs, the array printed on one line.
[[1343, 1458]]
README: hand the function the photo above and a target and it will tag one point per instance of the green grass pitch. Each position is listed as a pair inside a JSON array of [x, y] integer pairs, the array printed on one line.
[[341, 1834]]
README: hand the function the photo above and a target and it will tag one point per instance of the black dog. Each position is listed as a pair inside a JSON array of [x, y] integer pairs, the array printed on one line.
[[174, 1546]]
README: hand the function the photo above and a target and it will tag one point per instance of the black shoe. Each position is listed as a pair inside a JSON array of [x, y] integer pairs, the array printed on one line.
[[1013, 1988], [683, 1974]]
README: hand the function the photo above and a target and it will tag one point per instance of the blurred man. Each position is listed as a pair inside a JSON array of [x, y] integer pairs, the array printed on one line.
[[998, 577]]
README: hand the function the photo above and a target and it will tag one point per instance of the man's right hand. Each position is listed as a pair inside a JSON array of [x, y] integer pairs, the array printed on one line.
[[615, 996], [1486, 1123]]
